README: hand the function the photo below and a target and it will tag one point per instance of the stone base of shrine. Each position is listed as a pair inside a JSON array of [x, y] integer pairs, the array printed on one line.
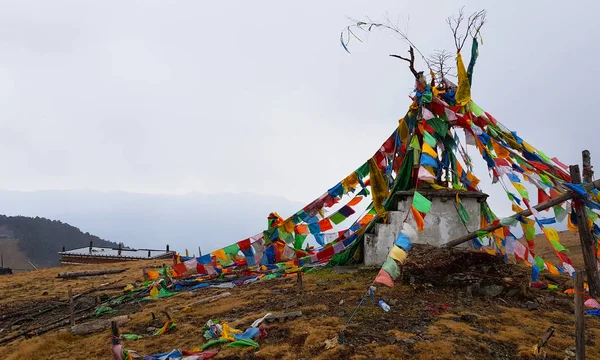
[[442, 223]]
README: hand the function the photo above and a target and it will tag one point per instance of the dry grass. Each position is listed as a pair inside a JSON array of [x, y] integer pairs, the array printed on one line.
[[500, 330]]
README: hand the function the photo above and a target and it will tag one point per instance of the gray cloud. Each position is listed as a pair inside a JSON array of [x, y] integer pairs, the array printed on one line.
[[174, 97]]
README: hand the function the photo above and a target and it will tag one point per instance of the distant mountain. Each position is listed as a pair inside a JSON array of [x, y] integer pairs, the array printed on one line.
[[152, 221], [39, 240]]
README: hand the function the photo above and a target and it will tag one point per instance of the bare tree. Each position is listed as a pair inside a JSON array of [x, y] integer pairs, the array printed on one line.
[[474, 24], [441, 64], [349, 33]]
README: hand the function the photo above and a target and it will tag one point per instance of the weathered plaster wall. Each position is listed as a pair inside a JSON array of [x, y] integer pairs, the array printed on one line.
[[442, 224]]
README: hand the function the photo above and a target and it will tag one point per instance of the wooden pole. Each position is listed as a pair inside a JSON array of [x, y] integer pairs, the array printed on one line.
[[588, 173], [579, 319], [585, 236], [299, 283], [543, 206], [71, 306]]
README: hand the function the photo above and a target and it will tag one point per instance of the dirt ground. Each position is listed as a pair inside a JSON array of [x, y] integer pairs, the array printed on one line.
[[434, 314]]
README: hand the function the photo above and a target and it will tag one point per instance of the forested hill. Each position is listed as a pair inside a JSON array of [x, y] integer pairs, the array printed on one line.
[[40, 239]]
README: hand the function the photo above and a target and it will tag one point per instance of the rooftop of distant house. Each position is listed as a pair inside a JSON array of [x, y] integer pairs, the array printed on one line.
[[125, 252]]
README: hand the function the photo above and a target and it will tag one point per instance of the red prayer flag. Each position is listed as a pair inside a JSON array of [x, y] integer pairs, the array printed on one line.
[[384, 278], [244, 244], [559, 163], [180, 269], [325, 225], [200, 269], [542, 197], [326, 253]]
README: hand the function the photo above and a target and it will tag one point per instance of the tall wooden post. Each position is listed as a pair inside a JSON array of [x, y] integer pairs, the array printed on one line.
[[588, 173], [579, 319], [585, 236]]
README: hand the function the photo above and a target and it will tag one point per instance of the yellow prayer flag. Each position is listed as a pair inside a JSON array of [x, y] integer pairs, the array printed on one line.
[[528, 147], [516, 208], [350, 181], [473, 179], [429, 150], [500, 151], [398, 254], [463, 92], [552, 269], [551, 234], [288, 225], [220, 254], [379, 188]]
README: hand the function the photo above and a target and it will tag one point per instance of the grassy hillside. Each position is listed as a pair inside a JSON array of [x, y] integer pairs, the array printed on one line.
[[432, 318], [39, 240]]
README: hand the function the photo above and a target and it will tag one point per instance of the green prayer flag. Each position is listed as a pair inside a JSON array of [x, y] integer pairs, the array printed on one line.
[[421, 203], [591, 215], [559, 213], [529, 232], [482, 234], [299, 241], [509, 221], [492, 131], [363, 170], [476, 110], [426, 97], [439, 125], [131, 336], [558, 246], [474, 55], [286, 236], [522, 162], [539, 262], [546, 180], [241, 343], [429, 139], [523, 193], [543, 156], [414, 143], [232, 249], [213, 342], [337, 218], [391, 267], [464, 215]]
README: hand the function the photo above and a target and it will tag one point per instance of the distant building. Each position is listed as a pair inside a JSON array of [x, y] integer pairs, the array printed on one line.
[[102, 255]]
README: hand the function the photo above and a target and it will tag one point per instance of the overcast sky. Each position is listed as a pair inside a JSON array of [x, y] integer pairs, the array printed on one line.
[[240, 96]]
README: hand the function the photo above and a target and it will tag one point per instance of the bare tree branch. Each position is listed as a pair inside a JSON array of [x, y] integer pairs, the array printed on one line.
[[474, 24], [441, 64], [411, 62], [369, 26]]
